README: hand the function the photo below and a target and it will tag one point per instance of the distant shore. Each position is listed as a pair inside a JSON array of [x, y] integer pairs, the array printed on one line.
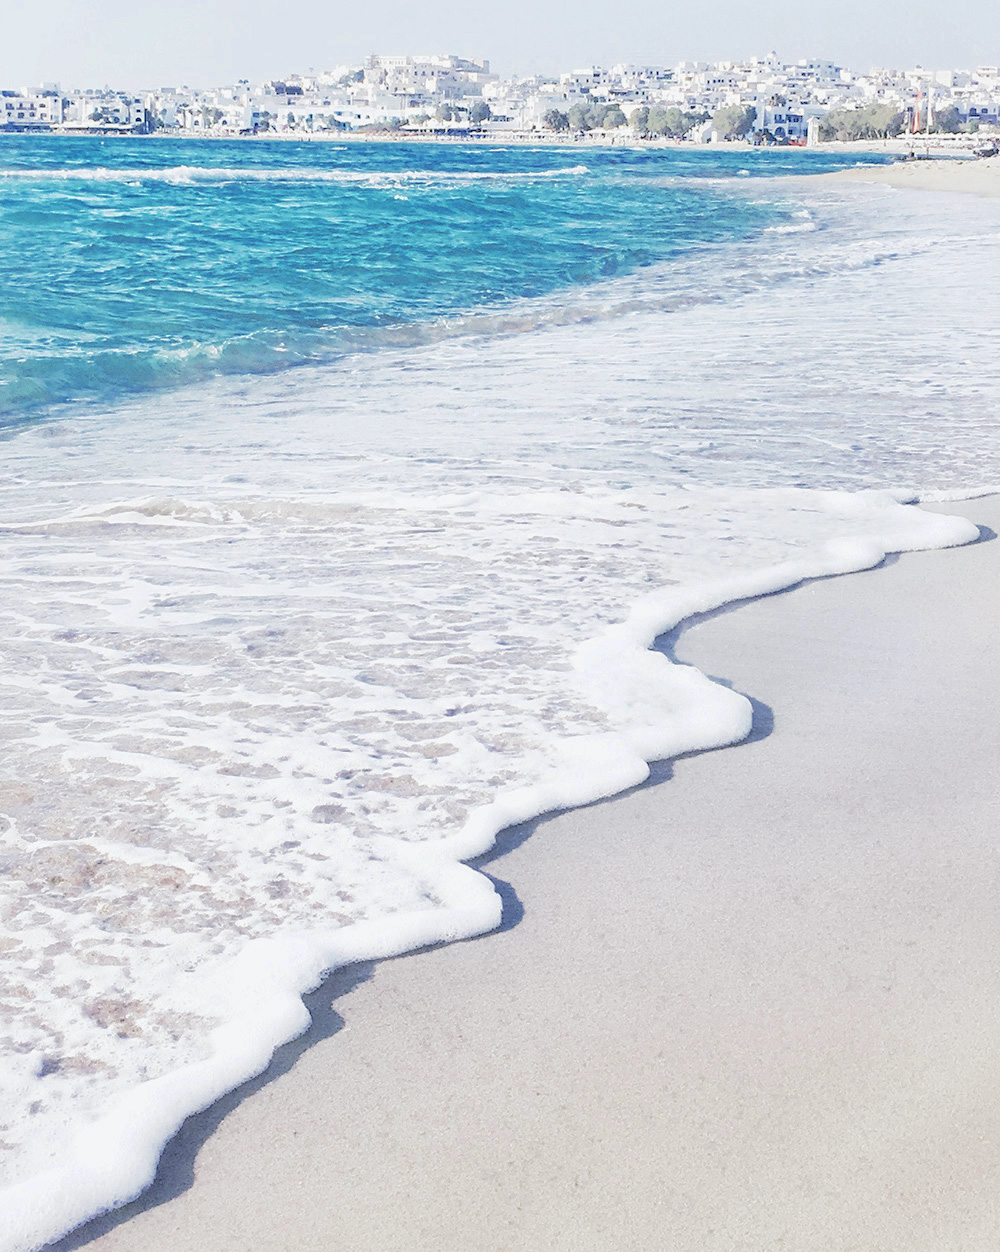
[[935, 146], [979, 178]]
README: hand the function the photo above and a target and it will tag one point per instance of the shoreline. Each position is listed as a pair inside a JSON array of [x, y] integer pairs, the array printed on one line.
[[936, 146], [979, 178], [483, 1095]]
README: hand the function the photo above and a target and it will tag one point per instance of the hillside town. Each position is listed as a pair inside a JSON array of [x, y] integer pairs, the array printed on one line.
[[761, 100]]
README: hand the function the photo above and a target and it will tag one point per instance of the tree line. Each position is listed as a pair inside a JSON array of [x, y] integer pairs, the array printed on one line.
[[885, 121], [602, 116], [736, 121], [874, 121], [649, 121]]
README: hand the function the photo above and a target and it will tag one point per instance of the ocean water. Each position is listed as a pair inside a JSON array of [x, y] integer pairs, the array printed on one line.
[[345, 489]]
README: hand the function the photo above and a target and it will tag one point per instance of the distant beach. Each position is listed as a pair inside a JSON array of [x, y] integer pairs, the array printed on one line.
[[980, 178], [935, 146]]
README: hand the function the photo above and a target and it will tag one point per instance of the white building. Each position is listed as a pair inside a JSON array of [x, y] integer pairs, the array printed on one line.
[[427, 77], [28, 111], [788, 123], [103, 110]]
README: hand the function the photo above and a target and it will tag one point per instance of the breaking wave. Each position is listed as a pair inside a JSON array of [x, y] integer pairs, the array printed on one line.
[[190, 175]]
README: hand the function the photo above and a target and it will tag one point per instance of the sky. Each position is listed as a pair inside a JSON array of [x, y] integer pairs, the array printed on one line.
[[91, 43]]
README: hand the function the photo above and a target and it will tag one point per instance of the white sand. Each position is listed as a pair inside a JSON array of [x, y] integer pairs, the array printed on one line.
[[981, 178], [754, 1007]]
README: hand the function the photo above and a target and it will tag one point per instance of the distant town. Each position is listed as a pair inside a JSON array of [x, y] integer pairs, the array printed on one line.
[[761, 100]]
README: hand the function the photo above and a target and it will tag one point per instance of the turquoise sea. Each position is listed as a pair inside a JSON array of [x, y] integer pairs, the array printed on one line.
[[344, 491], [139, 265]]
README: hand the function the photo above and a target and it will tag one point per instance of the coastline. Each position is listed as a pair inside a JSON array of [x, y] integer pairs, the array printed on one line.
[[979, 178], [801, 1054], [935, 146]]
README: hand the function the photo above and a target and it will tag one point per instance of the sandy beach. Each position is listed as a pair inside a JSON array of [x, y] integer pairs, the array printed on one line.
[[981, 177], [754, 1004]]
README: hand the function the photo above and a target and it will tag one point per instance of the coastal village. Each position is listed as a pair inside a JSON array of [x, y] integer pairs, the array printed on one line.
[[762, 100]]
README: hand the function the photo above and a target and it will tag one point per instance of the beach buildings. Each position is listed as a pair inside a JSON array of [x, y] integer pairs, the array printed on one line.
[[28, 111], [448, 94]]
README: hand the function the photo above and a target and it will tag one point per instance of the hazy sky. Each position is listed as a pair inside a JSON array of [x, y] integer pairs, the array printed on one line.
[[203, 42]]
